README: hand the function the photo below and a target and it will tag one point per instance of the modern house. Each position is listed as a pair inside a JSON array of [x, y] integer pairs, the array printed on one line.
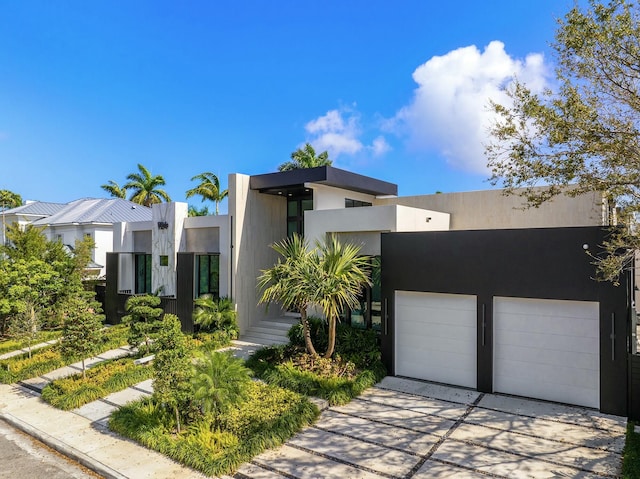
[[78, 219], [472, 290]]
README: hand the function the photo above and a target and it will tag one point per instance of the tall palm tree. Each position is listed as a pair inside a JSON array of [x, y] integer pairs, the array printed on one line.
[[284, 283], [209, 188], [343, 274], [114, 189], [305, 157], [330, 276], [145, 187]]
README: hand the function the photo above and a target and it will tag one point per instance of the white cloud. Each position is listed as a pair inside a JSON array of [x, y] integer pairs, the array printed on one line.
[[380, 146], [339, 132], [449, 112]]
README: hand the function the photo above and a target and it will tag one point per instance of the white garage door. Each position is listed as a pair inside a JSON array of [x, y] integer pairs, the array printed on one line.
[[547, 349], [436, 337]]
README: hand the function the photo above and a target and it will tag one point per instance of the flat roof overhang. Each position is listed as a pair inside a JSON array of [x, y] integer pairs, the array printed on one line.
[[284, 181]]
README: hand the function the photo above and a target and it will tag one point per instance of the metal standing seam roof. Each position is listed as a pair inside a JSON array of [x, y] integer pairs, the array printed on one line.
[[36, 208], [93, 210]]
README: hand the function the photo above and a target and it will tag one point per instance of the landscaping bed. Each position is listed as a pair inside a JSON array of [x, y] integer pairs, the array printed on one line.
[[101, 380], [49, 358], [356, 365], [266, 418]]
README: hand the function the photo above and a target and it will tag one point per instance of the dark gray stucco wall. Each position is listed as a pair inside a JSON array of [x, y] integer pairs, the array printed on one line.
[[545, 263]]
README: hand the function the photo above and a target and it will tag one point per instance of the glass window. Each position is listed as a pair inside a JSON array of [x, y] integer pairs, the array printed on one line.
[[143, 274], [368, 314], [208, 275], [349, 203]]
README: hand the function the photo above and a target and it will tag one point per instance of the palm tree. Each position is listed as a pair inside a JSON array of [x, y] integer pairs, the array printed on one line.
[[212, 314], [343, 274], [291, 281], [305, 157], [219, 380], [9, 199], [209, 188], [114, 189], [330, 276], [193, 211], [144, 187]]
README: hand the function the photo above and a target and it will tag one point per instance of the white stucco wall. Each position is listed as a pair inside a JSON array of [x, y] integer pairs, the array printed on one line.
[[363, 225], [330, 198], [491, 209], [166, 242], [258, 220]]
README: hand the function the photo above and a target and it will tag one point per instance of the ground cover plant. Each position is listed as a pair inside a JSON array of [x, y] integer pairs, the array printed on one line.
[[49, 358], [226, 420], [15, 343], [631, 454], [101, 380], [356, 365]]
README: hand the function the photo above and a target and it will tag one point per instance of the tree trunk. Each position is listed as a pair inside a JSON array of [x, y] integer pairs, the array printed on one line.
[[84, 370], [332, 338], [177, 418], [307, 332]]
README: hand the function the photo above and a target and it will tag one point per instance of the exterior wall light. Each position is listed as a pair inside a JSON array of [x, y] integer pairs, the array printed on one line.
[[163, 225]]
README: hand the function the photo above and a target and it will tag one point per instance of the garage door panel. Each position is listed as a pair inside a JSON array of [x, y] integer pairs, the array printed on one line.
[[580, 360], [436, 337], [547, 349], [436, 329], [545, 307], [548, 342], [549, 325]]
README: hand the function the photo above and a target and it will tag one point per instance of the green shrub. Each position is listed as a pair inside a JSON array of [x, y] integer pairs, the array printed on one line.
[[631, 454], [360, 346], [212, 341], [103, 379], [355, 367], [266, 418]]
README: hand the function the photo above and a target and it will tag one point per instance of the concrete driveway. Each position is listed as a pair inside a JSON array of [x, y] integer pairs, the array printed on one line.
[[413, 429]]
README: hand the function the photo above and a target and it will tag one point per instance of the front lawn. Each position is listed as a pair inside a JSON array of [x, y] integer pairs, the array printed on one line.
[[101, 380], [266, 418], [47, 359]]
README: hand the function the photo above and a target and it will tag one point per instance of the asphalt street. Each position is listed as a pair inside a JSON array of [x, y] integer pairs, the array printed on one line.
[[23, 456]]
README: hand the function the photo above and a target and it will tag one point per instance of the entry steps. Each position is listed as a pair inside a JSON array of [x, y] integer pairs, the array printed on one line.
[[269, 331]]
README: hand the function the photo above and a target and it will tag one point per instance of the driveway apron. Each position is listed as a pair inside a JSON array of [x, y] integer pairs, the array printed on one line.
[[412, 429]]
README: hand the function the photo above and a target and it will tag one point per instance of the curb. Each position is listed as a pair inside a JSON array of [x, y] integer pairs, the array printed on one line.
[[62, 448]]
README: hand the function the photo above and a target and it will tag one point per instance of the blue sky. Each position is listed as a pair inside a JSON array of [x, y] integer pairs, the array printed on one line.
[[394, 90]]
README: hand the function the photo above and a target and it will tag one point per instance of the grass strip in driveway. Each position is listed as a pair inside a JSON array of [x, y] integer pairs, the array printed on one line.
[[631, 454], [19, 368], [101, 380]]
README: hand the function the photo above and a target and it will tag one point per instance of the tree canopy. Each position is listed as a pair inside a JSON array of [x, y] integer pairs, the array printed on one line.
[[583, 135], [305, 157]]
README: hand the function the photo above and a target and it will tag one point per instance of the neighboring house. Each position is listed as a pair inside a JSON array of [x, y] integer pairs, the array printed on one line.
[[469, 288], [78, 219]]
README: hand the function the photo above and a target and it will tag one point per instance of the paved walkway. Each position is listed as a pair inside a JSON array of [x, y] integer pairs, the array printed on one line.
[[399, 429], [17, 352]]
